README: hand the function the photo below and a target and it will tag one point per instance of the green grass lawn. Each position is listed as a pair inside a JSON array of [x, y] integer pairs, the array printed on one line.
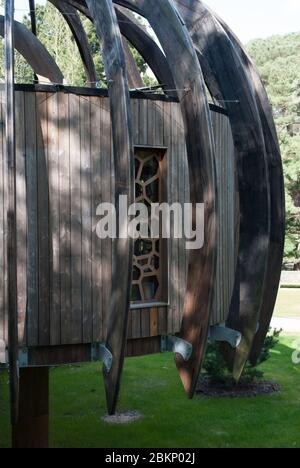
[[288, 303], [151, 385]]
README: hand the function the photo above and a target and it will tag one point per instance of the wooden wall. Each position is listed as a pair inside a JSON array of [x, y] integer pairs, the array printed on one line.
[[64, 167]]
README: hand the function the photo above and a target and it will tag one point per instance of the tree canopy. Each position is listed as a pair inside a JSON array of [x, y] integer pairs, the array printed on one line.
[[278, 61]]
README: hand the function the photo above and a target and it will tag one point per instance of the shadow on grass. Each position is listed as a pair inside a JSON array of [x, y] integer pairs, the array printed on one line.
[[151, 386]]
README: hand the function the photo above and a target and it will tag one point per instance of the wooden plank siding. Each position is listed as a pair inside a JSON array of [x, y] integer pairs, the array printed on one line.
[[64, 162]]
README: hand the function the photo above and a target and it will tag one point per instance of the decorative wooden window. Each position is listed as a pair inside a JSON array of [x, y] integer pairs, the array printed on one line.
[[148, 263]]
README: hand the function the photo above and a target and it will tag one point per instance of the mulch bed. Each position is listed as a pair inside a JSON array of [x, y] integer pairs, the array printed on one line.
[[122, 418], [213, 389]]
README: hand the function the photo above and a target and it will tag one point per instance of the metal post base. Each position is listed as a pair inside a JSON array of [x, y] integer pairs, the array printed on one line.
[[176, 345]]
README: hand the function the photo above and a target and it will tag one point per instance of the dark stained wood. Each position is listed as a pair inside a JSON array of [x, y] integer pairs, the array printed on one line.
[[11, 246], [133, 74], [100, 92], [32, 220], [34, 53], [143, 347], [211, 42], [3, 269], [189, 82], [21, 217], [53, 165], [43, 220], [86, 218], [32, 428], [96, 198], [227, 241], [114, 61], [75, 217], [106, 149], [147, 48], [57, 132], [276, 181], [32, 15], [64, 217], [142, 41]]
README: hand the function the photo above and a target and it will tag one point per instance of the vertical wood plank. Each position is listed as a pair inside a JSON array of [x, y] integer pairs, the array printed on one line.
[[2, 223], [64, 218], [151, 130], [136, 323], [168, 107], [162, 321], [21, 216], [145, 323], [107, 188], [43, 218], [135, 120], [32, 210], [181, 199], [96, 142], [174, 174], [154, 321], [85, 126], [143, 122], [159, 123], [53, 164], [75, 190], [129, 326]]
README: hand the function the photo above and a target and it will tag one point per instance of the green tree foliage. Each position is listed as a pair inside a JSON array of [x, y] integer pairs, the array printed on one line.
[[54, 33], [216, 369], [278, 60]]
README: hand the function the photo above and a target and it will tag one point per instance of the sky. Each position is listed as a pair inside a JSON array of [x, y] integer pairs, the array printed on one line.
[[249, 19]]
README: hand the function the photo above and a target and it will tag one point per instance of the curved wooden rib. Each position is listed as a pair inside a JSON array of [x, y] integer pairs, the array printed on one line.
[[34, 53], [276, 181], [187, 75], [107, 28], [143, 43], [147, 48], [211, 42], [134, 77], [73, 20]]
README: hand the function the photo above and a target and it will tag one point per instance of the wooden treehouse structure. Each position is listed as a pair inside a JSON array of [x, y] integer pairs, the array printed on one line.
[[69, 297]]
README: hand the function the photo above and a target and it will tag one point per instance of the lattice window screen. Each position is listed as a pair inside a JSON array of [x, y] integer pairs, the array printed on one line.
[[147, 271]]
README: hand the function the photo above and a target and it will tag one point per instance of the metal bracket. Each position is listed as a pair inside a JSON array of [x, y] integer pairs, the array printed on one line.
[[99, 352], [23, 357], [222, 333], [176, 345]]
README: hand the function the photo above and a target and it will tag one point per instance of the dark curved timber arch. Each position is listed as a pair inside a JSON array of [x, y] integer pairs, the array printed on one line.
[[212, 42], [187, 75], [34, 52], [276, 181], [107, 28]]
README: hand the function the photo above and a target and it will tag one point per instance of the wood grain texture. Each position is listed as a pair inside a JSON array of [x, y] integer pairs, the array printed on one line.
[[189, 82], [276, 181], [133, 75], [237, 92], [114, 61], [11, 252]]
